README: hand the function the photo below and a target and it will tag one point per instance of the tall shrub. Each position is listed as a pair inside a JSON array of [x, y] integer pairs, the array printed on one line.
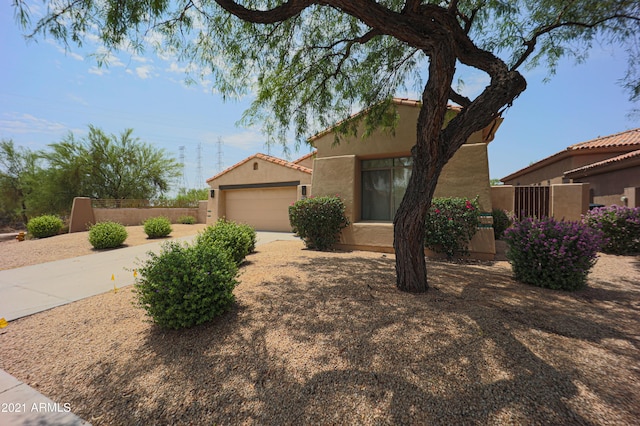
[[451, 223], [318, 221], [620, 226], [552, 254], [184, 286], [501, 221]]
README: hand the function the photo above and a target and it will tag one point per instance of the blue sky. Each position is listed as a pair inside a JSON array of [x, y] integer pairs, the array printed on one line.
[[46, 92]]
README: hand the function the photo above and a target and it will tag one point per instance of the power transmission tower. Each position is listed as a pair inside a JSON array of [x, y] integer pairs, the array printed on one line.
[[220, 164], [199, 179], [183, 177]]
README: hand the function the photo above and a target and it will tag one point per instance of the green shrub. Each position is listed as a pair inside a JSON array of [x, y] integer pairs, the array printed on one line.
[[501, 221], [157, 227], [44, 226], [184, 285], [551, 254], [238, 240], [620, 227], [250, 232], [318, 221], [105, 235], [187, 220], [451, 223]]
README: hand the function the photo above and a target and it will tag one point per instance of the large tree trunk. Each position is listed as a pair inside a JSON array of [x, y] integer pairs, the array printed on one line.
[[428, 161]]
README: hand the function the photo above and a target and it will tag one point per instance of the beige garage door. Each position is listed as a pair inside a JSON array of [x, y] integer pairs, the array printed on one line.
[[266, 209]]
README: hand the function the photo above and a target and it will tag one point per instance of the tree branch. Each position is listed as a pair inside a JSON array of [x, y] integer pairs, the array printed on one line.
[[280, 13], [458, 98]]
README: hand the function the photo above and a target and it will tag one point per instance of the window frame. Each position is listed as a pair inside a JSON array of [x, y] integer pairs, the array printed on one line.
[[396, 163]]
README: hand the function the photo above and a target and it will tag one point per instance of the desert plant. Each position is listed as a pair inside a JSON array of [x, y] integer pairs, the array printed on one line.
[[620, 227], [187, 220], [105, 235], [237, 239], [501, 221], [451, 223], [44, 226], [552, 254], [157, 227], [184, 285], [318, 221]]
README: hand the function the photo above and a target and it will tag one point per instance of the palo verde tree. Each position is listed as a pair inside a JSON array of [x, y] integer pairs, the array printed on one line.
[[312, 63], [108, 166]]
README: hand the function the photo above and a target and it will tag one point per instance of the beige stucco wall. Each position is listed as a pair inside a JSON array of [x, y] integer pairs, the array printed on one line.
[[503, 197], [337, 171], [569, 201], [137, 216], [256, 171]]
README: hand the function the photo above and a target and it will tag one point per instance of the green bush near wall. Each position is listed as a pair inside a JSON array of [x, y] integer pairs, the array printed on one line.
[[157, 227], [318, 221], [44, 226]]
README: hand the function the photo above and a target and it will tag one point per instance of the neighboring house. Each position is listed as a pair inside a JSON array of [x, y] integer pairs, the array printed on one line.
[[258, 191], [609, 164], [370, 175]]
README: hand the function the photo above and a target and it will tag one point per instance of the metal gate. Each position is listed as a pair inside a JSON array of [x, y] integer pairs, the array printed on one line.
[[532, 201]]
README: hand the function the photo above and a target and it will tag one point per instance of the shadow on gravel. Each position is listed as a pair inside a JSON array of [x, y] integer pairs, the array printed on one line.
[[344, 346]]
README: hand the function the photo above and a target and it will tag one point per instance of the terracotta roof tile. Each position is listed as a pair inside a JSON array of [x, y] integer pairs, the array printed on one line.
[[304, 157], [608, 161], [265, 157], [627, 138]]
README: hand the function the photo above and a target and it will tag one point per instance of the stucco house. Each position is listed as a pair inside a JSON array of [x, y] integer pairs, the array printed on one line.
[[370, 175], [259, 190], [609, 164]]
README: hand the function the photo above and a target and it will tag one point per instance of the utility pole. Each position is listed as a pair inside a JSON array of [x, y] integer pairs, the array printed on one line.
[[183, 178]]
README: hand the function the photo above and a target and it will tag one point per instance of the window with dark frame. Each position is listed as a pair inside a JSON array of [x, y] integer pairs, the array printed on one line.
[[384, 182]]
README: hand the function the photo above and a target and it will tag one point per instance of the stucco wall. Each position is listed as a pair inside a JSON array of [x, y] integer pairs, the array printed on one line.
[[503, 197], [608, 187], [135, 216], [83, 215], [337, 171]]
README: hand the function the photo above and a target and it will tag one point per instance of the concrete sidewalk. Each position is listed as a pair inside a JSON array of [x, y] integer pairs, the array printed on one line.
[[32, 289]]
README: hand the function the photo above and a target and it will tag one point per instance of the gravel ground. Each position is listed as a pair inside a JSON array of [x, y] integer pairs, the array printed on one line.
[[325, 338]]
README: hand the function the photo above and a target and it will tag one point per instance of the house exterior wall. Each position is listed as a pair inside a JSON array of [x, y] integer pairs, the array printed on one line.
[[307, 162], [608, 187], [255, 172], [337, 170], [552, 172]]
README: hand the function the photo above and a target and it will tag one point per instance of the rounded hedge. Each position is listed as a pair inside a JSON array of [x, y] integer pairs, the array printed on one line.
[[318, 221], [450, 224], [238, 239], [44, 226], [157, 227], [184, 285], [105, 235], [620, 226]]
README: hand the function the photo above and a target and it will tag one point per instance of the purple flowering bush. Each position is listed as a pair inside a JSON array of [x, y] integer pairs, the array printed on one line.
[[620, 227], [451, 223], [551, 254]]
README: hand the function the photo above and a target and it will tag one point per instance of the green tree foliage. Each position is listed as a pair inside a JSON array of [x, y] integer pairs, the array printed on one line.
[[109, 166], [18, 168], [317, 62]]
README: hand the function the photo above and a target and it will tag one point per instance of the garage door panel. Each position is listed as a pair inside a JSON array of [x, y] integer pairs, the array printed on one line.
[[266, 209]]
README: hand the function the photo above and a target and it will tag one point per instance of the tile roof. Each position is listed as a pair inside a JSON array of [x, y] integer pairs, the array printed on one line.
[[304, 157], [622, 141], [608, 161], [627, 138], [265, 157]]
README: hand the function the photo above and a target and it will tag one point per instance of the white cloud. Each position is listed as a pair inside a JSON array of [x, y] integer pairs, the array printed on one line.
[[248, 140], [64, 51], [14, 123], [98, 71], [143, 72], [175, 68], [77, 99]]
